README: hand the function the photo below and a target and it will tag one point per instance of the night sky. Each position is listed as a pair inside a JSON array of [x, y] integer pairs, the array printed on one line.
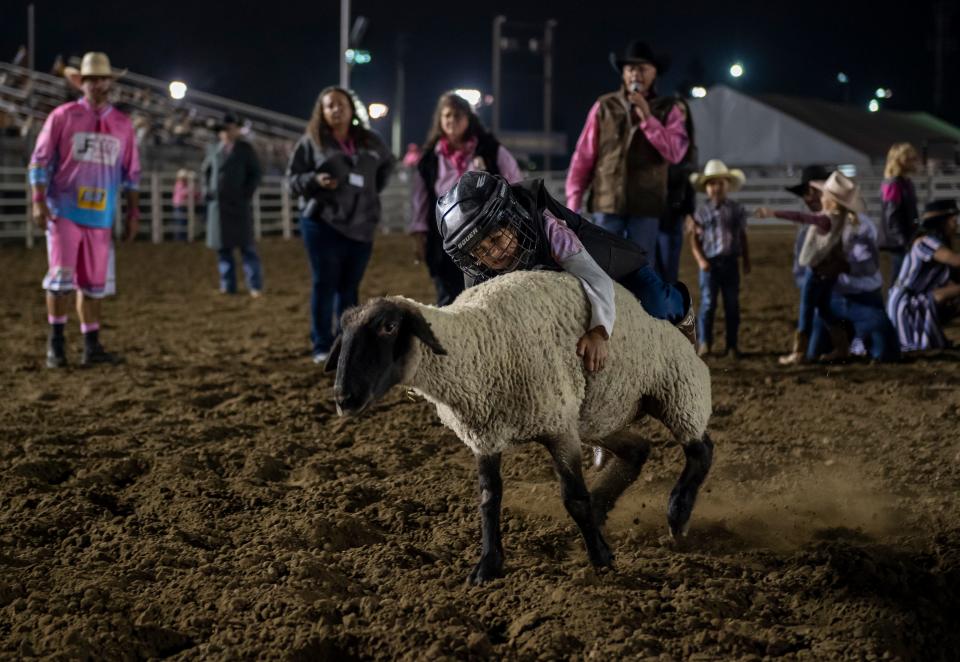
[[279, 55]]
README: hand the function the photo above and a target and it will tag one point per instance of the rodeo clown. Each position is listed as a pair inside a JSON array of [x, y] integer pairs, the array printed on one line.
[[490, 227], [84, 154]]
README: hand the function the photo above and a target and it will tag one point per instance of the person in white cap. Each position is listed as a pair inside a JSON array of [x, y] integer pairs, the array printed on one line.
[[85, 154], [719, 243], [823, 252]]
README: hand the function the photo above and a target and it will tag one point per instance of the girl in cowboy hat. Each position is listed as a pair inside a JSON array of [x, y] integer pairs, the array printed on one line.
[[822, 252], [923, 297], [718, 241]]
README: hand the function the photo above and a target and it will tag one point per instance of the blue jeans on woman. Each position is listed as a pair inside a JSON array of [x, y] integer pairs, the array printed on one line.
[[228, 270], [337, 265], [866, 313], [723, 279], [641, 230]]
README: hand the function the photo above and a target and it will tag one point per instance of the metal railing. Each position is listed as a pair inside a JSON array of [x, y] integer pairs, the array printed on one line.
[[275, 209]]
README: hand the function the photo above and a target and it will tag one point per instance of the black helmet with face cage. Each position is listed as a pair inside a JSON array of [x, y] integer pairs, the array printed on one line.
[[476, 207]]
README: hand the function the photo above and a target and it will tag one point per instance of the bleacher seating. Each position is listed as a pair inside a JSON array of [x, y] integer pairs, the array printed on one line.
[[171, 133]]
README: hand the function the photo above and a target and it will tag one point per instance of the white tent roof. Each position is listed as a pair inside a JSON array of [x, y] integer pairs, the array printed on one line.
[[742, 131]]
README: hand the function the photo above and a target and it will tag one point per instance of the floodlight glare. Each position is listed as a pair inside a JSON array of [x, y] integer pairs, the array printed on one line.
[[873, 106], [698, 92], [178, 89], [378, 110], [473, 97], [736, 70]]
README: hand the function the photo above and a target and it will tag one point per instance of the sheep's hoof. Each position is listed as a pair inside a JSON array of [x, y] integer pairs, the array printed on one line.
[[489, 567], [601, 557]]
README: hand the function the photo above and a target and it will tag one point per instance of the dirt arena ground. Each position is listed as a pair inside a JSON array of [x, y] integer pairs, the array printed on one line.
[[204, 501]]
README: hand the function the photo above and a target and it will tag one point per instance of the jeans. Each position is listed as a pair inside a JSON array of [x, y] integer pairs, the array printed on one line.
[[661, 300], [723, 278], [815, 297], [251, 269], [337, 265], [669, 246], [180, 223], [865, 312], [641, 230]]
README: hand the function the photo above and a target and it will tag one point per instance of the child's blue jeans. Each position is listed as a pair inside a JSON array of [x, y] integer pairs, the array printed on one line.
[[815, 296], [723, 278]]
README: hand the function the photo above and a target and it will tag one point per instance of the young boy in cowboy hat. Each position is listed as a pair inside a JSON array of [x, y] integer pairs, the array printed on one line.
[[84, 155], [822, 252], [719, 241]]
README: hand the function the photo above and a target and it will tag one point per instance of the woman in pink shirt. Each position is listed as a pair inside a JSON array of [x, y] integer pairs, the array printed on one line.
[[456, 143]]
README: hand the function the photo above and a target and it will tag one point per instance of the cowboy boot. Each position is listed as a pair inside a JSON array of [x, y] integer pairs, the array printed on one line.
[[841, 345], [688, 325], [798, 354]]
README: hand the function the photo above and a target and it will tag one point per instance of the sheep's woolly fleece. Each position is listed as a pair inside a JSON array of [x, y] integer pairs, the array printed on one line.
[[512, 374]]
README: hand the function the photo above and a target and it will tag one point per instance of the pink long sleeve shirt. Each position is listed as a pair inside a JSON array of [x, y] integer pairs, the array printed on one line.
[[670, 139], [85, 157], [448, 172]]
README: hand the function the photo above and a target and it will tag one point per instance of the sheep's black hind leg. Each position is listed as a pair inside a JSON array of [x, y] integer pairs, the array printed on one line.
[[490, 565], [576, 498], [699, 455], [626, 457]]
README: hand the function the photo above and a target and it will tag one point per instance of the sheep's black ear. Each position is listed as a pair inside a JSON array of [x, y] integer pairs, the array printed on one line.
[[421, 329], [334, 356]]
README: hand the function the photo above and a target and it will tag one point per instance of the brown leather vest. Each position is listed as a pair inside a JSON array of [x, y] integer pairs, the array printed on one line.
[[630, 176]]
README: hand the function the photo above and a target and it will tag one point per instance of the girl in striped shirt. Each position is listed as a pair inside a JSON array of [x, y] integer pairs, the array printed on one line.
[[923, 298]]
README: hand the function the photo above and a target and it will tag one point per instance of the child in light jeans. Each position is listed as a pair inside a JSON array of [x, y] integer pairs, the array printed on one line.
[[719, 243]]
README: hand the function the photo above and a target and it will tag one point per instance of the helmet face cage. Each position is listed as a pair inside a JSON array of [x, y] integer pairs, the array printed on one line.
[[503, 214]]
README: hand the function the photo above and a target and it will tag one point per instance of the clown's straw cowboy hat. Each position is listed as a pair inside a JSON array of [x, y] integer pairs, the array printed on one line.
[[92, 64], [841, 189], [717, 169]]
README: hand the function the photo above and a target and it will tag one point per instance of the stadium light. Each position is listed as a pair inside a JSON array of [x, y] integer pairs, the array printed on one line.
[[873, 106], [842, 78], [698, 92], [883, 93], [378, 110], [357, 56], [178, 89], [473, 97], [736, 70]]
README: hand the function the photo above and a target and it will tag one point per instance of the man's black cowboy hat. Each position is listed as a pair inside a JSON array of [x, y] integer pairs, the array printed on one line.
[[809, 174], [638, 52]]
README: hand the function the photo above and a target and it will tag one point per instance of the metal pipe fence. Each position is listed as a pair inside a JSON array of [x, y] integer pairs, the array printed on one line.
[[275, 208]]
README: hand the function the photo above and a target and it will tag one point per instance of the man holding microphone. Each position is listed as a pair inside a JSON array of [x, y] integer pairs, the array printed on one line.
[[85, 153], [629, 139]]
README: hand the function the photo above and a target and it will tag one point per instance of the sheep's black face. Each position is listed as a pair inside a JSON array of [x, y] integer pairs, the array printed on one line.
[[371, 354]]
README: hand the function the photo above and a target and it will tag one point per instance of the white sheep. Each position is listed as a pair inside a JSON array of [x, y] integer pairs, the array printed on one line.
[[502, 369]]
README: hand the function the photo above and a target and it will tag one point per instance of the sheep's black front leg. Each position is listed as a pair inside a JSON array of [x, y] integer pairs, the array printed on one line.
[[699, 456], [490, 565], [628, 453], [576, 499]]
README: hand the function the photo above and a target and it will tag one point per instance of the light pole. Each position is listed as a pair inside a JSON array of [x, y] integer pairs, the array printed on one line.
[[497, 34], [344, 43]]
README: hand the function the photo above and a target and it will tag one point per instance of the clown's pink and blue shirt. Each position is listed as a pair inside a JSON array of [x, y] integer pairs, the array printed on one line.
[[85, 157]]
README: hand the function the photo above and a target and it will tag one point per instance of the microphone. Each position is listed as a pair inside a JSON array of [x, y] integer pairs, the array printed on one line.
[[635, 86]]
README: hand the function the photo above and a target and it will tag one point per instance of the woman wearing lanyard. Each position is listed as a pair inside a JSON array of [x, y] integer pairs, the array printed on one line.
[[337, 169], [457, 142]]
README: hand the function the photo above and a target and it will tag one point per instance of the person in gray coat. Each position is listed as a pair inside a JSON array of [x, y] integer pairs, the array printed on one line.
[[337, 169], [231, 176]]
